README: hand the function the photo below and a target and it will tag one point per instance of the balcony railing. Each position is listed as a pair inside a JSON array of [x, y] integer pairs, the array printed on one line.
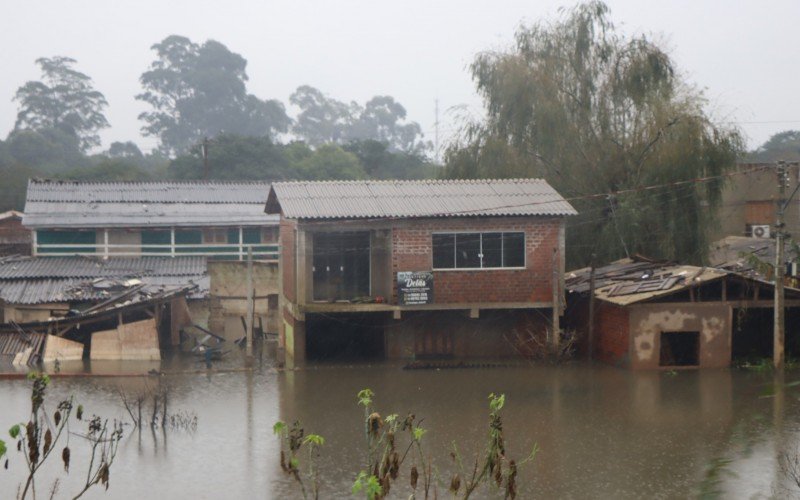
[[229, 251]]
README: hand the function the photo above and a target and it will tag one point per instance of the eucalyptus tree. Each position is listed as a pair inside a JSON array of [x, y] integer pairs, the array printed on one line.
[[323, 119], [199, 90], [593, 111], [64, 99]]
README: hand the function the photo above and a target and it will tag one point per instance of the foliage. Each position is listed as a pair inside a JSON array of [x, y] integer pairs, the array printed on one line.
[[381, 163], [391, 441], [232, 157], [330, 162], [64, 100], [199, 90], [324, 120], [592, 111], [292, 442], [42, 434], [781, 146]]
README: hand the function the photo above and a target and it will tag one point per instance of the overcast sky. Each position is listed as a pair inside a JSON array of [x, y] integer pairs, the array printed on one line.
[[743, 53]]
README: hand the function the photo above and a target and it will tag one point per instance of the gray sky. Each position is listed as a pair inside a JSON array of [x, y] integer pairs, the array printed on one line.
[[743, 53]]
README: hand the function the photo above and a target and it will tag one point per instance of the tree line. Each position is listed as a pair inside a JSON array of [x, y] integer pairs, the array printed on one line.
[[198, 98], [573, 101]]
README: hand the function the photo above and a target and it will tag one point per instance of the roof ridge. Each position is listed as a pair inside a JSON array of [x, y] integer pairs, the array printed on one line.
[[45, 180], [413, 181]]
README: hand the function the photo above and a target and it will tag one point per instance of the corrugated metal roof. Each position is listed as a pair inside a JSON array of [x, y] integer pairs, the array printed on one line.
[[85, 267], [425, 198], [51, 203], [40, 280], [627, 281], [46, 291]]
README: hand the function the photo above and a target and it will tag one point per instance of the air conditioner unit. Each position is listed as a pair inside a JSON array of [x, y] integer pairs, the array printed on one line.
[[760, 231]]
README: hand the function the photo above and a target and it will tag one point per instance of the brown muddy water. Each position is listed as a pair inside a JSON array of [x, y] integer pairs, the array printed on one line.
[[602, 432]]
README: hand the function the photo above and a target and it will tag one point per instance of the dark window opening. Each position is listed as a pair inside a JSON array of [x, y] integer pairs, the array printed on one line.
[[478, 250], [341, 267], [345, 337], [680, 349]]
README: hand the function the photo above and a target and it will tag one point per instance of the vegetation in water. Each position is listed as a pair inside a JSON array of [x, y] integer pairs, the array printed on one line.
[[395, 452], [48, 431]]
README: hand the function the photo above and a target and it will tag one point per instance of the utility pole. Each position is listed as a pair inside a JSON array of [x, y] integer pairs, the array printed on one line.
[[204, 148], [556, 337], [779, 333], [591, 308], [436, 134], [248, 361]]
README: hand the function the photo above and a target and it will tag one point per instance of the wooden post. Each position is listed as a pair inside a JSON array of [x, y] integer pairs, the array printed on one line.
[[591, 308], [250, 309], [778, 334], [556, 335]]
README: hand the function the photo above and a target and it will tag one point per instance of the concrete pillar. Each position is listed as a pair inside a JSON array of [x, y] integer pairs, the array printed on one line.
[[294, 337]]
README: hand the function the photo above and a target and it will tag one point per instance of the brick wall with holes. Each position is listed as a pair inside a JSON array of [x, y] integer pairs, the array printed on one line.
[[612, 334], [412, 245]]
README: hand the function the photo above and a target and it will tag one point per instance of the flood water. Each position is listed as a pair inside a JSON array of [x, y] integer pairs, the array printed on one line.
[[602, 432]]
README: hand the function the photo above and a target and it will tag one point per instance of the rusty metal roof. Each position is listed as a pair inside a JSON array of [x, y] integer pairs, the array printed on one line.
[[73, 204], [420, 198]]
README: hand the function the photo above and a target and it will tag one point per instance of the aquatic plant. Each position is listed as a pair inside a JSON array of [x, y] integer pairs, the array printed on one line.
[[41, 435]]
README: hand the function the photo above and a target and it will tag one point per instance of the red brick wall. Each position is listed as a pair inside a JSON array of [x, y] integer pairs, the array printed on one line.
[[612, 334], [411, 251], [289, 266]]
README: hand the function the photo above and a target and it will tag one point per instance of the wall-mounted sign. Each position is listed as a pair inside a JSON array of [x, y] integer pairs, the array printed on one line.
[[415, 288]]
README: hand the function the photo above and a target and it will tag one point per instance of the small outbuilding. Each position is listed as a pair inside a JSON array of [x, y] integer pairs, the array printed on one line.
[[650, 315]]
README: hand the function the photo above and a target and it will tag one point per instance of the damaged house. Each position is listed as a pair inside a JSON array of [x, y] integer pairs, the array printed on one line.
[[650, 315], [416, 269]]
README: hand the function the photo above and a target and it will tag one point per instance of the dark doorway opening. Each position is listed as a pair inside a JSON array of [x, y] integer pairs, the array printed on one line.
[[752, 334], [680, 349], [345, 337], [341, 265]]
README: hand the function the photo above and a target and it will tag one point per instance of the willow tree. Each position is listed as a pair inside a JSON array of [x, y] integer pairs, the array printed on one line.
[[595, 112]]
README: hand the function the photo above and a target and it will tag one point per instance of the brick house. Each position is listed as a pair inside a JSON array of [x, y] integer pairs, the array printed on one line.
[[414, 269]]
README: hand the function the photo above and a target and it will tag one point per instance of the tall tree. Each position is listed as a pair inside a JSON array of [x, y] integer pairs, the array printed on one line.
[[323, 120], [592, 111], [64, 99], [199, 90], [781, 146]]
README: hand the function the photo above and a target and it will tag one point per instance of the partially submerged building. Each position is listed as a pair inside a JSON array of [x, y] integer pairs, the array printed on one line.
[[413, 269], [40, 288], [215, 219], [651, 315]]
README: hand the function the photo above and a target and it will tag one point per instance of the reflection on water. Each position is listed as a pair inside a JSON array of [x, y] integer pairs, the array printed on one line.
[[602, 432]]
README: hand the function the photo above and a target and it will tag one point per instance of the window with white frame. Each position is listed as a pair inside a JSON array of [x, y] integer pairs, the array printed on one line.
[[478, 250]]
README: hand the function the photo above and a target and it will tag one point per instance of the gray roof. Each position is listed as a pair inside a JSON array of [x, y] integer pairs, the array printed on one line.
[[86, 267], [55, 203], [40, 280], [425, 198]]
